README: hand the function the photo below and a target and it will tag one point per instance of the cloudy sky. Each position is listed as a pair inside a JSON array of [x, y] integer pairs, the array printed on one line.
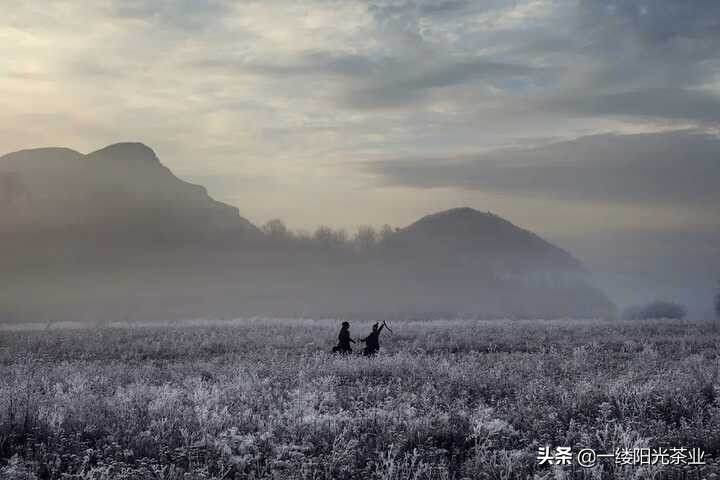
[[577, 119]]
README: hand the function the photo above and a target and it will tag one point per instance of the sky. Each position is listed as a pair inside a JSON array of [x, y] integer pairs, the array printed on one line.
[[587, 121]]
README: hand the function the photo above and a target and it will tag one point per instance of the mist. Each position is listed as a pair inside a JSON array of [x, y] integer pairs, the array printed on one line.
[[115, 236]]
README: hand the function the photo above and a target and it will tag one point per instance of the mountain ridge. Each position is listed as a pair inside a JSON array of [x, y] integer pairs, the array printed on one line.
[[120, 183], [467, 229], [119, 223]]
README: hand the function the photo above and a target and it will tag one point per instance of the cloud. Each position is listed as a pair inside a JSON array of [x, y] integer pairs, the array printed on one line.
[[406, 89], [654, 23], [678, 168], [282, 89], [183, 14], [661, 103], [312, 63]]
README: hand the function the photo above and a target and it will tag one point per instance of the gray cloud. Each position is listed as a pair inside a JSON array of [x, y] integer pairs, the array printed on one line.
[[663, 103], [192, 15], [592, 58], [655, 23], [672, 168], [282, 89], [303, 64], [642, 58], [405, 88]]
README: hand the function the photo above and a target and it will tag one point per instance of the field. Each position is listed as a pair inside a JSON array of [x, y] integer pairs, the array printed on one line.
[[447, 399]]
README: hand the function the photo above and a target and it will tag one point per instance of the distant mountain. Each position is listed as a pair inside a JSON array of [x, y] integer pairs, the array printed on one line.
[[114, 235], [121, 192], [466, 262], [472, 236]]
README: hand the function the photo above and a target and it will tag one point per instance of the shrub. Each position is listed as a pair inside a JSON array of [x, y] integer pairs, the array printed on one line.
[[656, 309]]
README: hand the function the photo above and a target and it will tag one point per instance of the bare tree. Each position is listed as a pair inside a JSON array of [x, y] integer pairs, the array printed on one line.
[[386, 233], [341, 237], [304, 237], [323, 236], [328, 238], [365, 238], [276, 229]]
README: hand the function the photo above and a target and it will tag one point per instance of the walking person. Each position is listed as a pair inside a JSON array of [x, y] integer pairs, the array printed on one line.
[[372, 341], [344, 339]]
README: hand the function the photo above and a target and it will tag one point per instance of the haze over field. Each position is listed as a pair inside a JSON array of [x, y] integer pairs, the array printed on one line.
[[115, 235], [591, 123]]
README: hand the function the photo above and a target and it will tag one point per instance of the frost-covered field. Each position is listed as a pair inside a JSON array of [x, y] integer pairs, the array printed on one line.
[[445, 399]]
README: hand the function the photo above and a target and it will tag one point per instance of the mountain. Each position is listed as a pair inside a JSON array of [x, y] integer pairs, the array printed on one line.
[[114, 235], [466, 262], [469, 235], [121, 193]]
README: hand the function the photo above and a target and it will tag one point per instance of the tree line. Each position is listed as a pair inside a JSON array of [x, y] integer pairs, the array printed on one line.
[[365, 238]]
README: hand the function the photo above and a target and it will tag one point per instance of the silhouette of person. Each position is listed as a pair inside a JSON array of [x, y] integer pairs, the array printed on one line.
[[372, 341], [344, 339]]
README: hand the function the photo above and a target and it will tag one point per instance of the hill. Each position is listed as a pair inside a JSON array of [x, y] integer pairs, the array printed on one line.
[[467, 234], [115, 235], [121, 192]]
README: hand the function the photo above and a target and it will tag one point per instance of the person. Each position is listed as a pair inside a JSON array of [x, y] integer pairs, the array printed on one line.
[[344, 339], [372, 341]]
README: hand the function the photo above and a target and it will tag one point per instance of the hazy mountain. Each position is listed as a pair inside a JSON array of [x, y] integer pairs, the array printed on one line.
[[115, 235], [121, 191], [468, 235], [462, 261]]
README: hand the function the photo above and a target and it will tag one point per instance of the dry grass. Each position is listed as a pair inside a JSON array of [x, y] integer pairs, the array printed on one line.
[[445, 399]]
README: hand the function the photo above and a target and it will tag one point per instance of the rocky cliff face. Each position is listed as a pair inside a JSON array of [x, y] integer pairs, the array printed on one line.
[[122, 188]]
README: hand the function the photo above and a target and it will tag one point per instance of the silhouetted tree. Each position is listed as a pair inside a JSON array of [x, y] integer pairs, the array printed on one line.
[[385, 235], [276, 229], [717, 303], [341, 237], [303, 237], [327, 238], [365, 238], [323, 237]]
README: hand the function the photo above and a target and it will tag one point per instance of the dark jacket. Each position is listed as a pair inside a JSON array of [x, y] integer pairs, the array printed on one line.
[[372, 341], [344, 340]]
